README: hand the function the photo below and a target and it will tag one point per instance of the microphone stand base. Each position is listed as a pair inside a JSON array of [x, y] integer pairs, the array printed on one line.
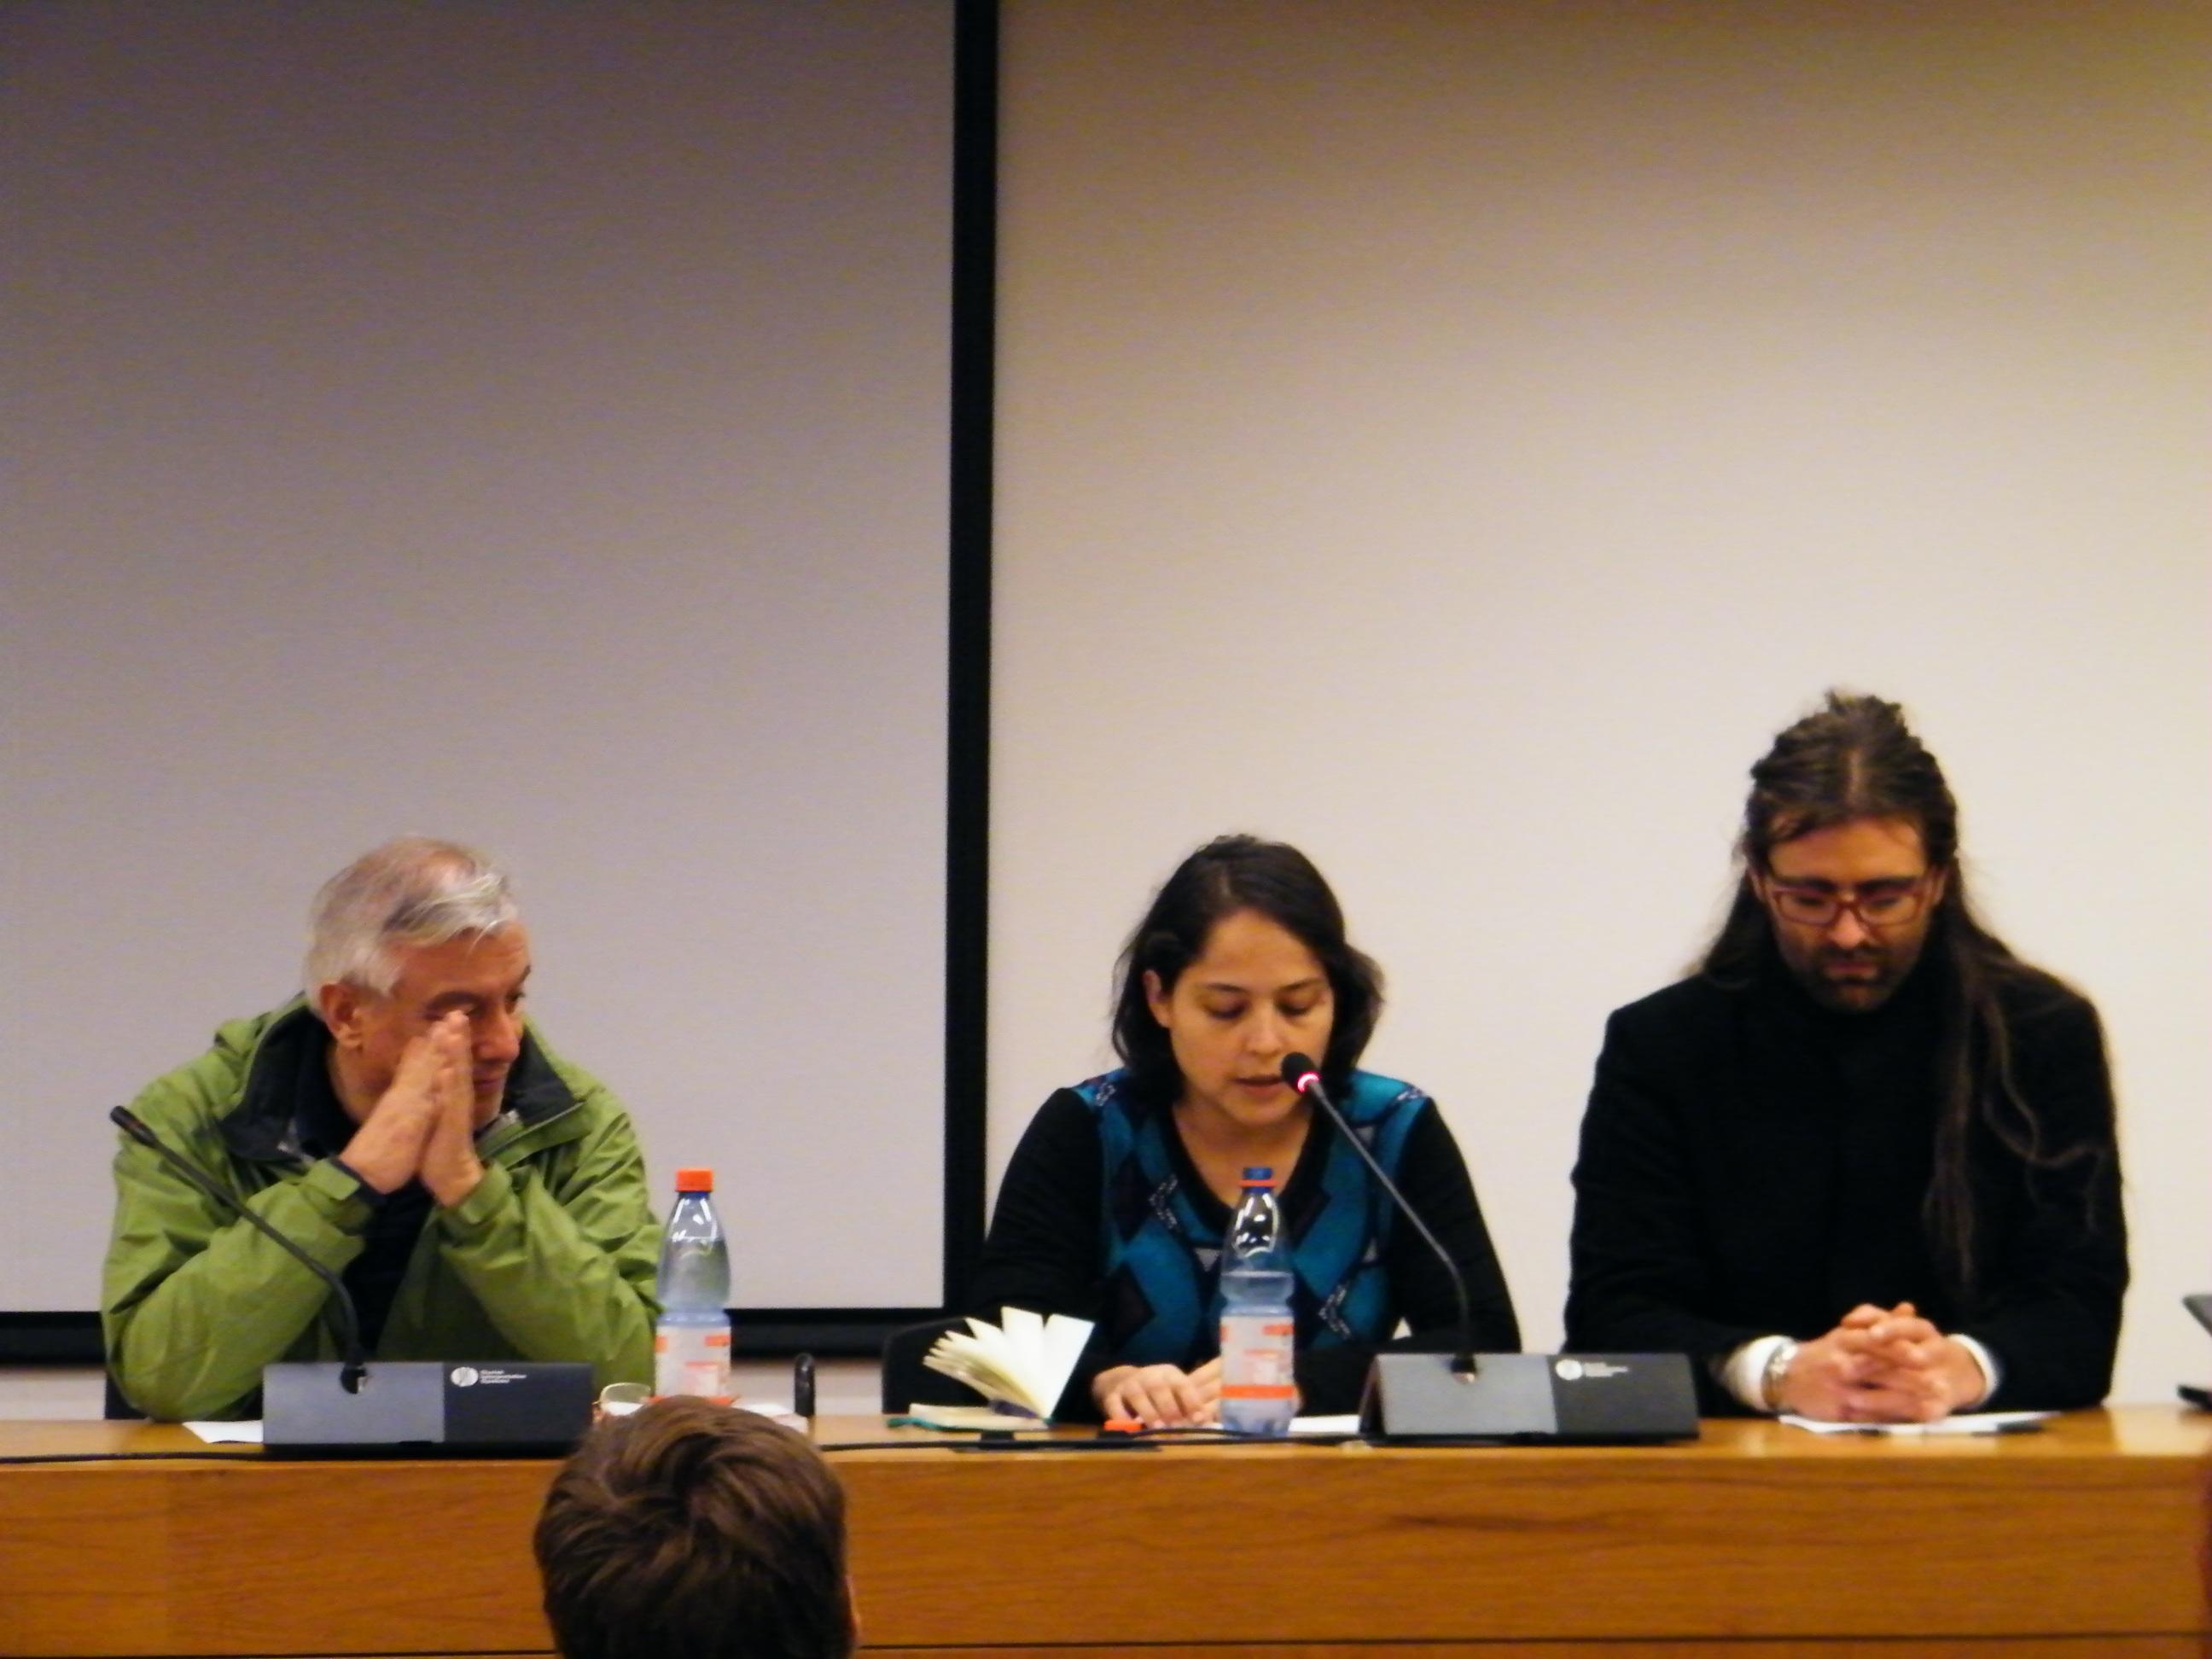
[[425, 1408], [1589, 1399]]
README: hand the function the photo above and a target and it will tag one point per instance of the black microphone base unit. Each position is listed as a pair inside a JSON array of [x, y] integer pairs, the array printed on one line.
[[1532, 1399], [426, 1409]]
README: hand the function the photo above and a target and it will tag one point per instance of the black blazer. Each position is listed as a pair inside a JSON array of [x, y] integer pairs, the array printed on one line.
[[1753, 1164]]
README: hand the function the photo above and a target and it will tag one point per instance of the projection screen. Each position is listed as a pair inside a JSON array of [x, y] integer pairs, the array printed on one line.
[[520, 424]]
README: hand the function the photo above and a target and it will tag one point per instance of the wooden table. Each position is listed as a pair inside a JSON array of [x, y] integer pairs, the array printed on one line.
[[2079, 1542]]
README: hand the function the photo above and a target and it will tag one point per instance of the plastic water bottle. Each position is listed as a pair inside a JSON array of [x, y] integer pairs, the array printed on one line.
[[691, 1345], [1259, 1391]]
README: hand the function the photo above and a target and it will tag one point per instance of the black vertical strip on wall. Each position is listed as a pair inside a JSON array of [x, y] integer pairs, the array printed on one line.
[[968, 749]]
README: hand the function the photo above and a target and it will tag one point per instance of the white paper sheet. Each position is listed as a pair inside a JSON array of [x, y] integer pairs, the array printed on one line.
[[228, 1434], [1963, 1423]]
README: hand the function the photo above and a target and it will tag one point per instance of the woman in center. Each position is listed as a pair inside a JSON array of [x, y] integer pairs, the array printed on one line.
[[1115, 1205]]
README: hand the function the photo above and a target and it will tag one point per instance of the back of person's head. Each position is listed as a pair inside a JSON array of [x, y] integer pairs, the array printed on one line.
[[697, 1529], [1229, 874], [414, 891]]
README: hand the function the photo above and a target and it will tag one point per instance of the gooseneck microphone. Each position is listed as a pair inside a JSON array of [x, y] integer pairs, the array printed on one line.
[[1302, 1075], [357, 1362], [1427, 1399]]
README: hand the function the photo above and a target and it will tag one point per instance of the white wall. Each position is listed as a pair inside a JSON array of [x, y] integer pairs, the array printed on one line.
[[1455, 438]]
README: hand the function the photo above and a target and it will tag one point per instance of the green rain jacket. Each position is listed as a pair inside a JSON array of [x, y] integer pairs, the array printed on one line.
[[551, 1257]]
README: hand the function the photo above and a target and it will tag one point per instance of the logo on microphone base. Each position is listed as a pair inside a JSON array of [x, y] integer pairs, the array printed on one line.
[[1568, 1369]]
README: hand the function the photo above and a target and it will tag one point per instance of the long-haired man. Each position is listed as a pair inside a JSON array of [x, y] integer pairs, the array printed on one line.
[[1860, 1164]]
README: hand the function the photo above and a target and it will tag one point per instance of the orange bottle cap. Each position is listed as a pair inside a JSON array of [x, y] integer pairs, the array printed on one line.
[[695, 1181]]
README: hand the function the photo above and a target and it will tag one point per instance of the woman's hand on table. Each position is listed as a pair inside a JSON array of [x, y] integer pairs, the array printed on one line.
[[1160, 1396]]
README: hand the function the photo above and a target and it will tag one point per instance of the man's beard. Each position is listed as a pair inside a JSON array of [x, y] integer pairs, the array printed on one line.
[[1854, 982]]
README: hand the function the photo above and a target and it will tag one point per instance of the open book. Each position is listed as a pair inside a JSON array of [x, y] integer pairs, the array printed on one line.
[[1020, 1364]]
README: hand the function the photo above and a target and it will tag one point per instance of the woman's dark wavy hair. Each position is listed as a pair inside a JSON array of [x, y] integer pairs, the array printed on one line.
[[1229, 874], [1853, 758]]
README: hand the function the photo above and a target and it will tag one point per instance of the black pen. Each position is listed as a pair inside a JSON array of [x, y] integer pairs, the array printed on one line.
[[802, 1385]]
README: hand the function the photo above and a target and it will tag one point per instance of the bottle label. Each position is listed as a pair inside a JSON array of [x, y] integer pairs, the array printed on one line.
[[1256, 1357], [692, 1359]]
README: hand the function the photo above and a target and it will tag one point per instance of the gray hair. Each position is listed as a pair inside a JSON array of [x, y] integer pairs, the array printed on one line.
[[414, 891]]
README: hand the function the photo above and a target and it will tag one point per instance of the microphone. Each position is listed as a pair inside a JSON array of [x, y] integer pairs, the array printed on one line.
[[1528, 1398], [356, 1361], [1302, 1075]]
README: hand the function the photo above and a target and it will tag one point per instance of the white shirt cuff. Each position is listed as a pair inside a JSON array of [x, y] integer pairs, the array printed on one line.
[[1991, 1373], [1743, 1374]]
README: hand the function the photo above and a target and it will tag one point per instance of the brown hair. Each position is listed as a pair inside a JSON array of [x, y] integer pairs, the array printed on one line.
[[1228, 874], [1855, 757], [696, 1528]]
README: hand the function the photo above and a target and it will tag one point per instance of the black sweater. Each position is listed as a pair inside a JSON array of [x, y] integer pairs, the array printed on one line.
[[1043, 1248], [1753, 1164]]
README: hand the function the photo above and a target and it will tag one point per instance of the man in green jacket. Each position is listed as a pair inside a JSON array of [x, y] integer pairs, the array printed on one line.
[[405, 1124]]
